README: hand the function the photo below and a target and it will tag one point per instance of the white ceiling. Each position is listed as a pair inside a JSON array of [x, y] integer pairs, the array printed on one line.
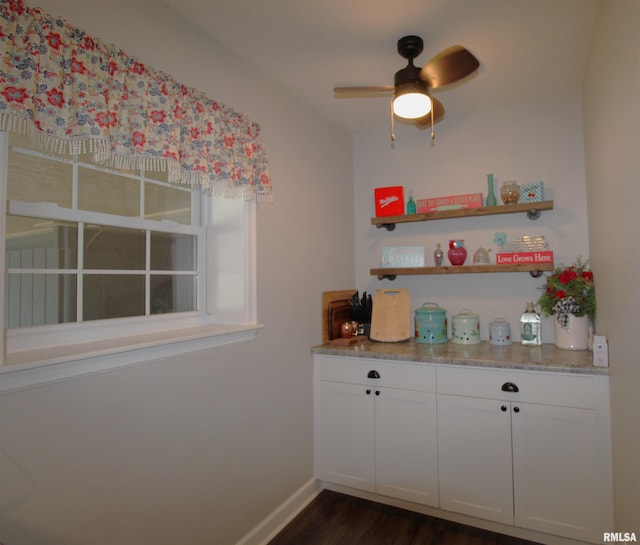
[[528, 49]]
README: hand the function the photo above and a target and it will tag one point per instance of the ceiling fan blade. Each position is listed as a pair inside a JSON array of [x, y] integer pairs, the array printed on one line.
[[363, 92], [448, 66], [438, 114]]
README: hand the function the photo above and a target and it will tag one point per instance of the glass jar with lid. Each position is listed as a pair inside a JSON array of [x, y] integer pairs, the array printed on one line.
[[510, 192]]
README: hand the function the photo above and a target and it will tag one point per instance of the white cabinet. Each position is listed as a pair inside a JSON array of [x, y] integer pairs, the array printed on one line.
[[376, 427], [526, 449], [474, 444], [406, 446], [346, 434], [555, 470]]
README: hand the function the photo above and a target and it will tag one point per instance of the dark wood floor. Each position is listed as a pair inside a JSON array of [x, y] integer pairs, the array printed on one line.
[[336, 519]]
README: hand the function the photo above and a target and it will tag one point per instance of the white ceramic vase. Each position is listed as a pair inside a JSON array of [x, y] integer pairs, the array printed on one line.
[[573, 336]]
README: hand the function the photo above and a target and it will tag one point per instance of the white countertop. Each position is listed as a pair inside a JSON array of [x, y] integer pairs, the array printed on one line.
[[515, 356]]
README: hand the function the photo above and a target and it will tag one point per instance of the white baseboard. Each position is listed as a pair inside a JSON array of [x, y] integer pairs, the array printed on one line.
[[282, 515]]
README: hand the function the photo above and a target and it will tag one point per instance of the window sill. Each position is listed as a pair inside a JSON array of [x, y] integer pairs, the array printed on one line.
[[33, 367]]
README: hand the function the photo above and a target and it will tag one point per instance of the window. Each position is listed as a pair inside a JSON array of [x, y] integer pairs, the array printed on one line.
[[96, 253], [87, 243]]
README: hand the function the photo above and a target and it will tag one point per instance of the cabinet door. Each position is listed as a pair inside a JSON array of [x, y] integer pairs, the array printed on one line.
[[346, 434], [474, 457], [555, 466], [406, 445]]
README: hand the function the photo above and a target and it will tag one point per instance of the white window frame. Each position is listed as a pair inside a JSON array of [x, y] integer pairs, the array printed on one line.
[[228, 286]]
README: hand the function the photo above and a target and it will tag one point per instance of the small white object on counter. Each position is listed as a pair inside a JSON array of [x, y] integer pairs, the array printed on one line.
[[600, 351]]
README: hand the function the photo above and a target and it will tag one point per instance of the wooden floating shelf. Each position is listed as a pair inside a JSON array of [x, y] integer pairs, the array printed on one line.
[[532, 210], [535, 269]]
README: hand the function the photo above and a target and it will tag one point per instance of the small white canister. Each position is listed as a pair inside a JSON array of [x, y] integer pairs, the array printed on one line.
[[499, 332], [465, 327]]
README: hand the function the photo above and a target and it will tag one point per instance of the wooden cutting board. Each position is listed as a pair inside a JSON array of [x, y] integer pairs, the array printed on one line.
[[336, 308], [391, 316]]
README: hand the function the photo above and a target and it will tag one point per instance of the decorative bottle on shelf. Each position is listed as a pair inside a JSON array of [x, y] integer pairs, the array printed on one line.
[[438, 255], [457, 252], [411, 204], [491, 197], [530, 334]]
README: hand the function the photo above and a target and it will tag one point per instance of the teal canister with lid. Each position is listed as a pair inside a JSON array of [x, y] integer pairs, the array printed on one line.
[[431, 324]]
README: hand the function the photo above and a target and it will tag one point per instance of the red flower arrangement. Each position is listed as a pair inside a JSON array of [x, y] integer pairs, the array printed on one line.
[[569, 290]]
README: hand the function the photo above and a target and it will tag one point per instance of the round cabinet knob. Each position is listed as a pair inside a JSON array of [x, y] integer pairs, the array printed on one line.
[[377, 392], [368, 392], [503, 408], [516, 409]]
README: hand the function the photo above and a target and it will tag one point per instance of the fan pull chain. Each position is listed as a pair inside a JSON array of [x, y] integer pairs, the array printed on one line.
[[393, 133], [433, 134]]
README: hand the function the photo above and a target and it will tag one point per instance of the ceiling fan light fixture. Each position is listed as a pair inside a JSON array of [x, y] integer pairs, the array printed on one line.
[[411, 100]]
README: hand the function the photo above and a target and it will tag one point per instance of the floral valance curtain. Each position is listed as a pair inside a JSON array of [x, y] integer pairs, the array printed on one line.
[[74, 92]]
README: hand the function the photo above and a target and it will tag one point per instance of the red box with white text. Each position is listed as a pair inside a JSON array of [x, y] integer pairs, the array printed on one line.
[[524, 258], [389, 201]]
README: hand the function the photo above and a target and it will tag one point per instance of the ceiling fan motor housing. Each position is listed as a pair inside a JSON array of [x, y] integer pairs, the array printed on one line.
[[410, 75], [408, 79]]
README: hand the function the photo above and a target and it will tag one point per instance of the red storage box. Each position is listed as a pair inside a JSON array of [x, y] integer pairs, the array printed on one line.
[[389, 201]]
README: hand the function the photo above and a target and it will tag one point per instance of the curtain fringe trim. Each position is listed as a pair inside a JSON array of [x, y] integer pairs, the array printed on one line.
[[100, 148]]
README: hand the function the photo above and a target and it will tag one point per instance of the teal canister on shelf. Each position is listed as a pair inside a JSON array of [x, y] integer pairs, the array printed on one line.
[[431, 324], [491, 196]]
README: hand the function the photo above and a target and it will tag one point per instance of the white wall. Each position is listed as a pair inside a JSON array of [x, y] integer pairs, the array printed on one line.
[[612, 117], [197, 449], [526, 142]]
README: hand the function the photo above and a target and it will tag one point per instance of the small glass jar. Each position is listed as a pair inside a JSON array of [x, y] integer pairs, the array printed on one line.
[[510, 192]]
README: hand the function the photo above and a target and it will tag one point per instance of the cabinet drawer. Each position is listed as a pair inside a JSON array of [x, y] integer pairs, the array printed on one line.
[[569, 390], [393, 374]]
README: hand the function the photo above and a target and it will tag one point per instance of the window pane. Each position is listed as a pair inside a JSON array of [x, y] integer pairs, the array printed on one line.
[[39, 299], [113, 248], [167, 203], [112, 296], [108, 193], [157, 175], [171, 293], [172, 252], [35, 243], [38, 179]]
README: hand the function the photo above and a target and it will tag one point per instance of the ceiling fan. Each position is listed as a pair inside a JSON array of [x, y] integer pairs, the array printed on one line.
[[412, 87]]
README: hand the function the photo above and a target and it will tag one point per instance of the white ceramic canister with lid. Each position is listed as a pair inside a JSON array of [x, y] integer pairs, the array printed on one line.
[[499, 332], [465, 327]]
